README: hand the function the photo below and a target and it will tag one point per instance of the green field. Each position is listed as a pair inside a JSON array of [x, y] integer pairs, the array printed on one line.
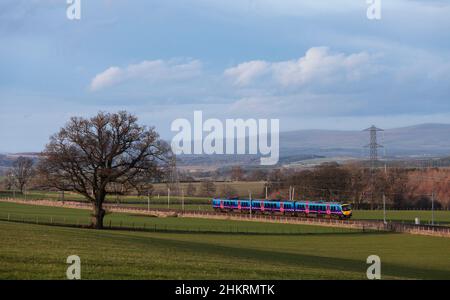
[[220, 250], [68, 196], [441, 217], [44, 214], [241, 187], [203, 204]]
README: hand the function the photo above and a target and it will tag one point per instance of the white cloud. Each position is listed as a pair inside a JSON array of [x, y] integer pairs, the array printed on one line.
[[319, 67], [107, 78], [154, 71], [243, 74]]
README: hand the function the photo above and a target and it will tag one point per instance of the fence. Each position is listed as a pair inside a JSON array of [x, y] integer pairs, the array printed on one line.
[[441, 231], [365, 225], [164, 228]]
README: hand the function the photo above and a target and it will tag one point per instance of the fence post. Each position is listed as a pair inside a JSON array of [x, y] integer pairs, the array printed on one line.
[[8, 217]]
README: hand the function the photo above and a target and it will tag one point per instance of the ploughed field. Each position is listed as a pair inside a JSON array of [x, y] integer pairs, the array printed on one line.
[[182, 248]]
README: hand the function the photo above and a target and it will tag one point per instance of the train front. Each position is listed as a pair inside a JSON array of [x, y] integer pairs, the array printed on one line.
[[347, 210]]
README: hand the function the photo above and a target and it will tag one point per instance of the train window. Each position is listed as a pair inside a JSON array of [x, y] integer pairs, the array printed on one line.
[[346, 207]]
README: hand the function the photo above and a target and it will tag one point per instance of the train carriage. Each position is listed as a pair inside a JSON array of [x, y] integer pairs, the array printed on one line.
[[317, 209]]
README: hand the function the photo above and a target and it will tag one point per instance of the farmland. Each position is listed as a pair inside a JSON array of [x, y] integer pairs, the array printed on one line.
[[208, 249], [204, 204]]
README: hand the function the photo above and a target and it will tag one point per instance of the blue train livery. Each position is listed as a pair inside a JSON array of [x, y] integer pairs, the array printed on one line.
[[290, 208]]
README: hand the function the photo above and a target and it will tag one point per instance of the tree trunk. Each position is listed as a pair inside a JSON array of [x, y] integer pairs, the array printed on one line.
[[98, 215]]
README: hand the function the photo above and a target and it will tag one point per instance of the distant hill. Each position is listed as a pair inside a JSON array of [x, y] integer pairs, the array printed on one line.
[[302, 145], [424, 139], [6, 160]]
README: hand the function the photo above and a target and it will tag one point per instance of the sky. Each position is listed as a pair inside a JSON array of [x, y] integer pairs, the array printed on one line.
[[310, 64]]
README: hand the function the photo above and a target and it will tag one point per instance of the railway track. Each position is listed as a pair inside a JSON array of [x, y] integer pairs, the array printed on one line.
[[369, 225]]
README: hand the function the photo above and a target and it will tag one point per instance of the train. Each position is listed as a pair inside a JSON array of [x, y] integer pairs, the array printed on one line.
[[316, 209]]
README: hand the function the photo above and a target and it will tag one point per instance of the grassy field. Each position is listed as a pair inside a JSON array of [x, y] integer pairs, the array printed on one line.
[[219, 250], [203, 204], [39, 252], [425, 216], [43, 214], [440, 217], [241, 187], [160, 193], [68, 196]]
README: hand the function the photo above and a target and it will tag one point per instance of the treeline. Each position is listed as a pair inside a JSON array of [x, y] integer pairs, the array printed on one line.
[[403, 188], [365, 188]]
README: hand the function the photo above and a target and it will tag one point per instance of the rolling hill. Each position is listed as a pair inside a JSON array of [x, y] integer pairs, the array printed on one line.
[[424, 139], [413, 141]]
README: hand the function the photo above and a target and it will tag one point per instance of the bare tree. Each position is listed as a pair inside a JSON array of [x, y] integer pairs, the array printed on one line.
[[87, 155], [228, 191], [208, 188], [237, 174], [191, 189], [8, 182], [22, 171]]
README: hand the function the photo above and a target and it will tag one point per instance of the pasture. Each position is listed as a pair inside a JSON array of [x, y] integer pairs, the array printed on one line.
[[209, 249], [70, 216], [441, 217]]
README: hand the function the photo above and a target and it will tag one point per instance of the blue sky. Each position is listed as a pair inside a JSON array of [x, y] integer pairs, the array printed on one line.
[[312, 64]]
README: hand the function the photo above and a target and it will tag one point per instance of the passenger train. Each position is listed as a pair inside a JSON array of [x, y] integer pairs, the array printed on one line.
[[314, 209]]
